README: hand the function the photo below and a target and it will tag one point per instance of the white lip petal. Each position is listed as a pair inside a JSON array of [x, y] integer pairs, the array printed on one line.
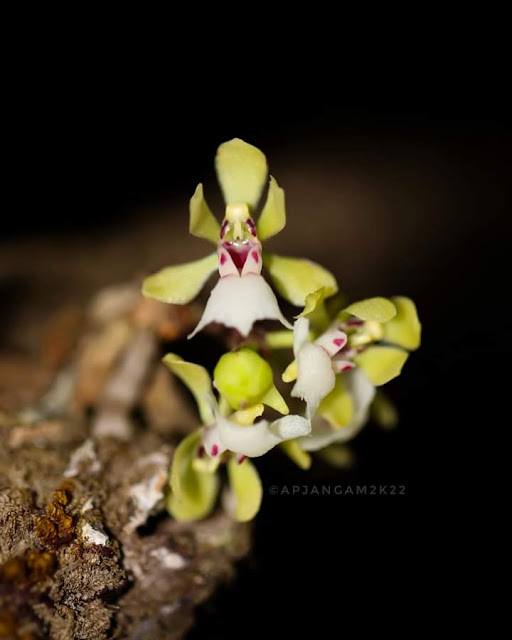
[[322, 434], [212, 442], [315, 376], [259, 438], [239, 301], [300, 334]]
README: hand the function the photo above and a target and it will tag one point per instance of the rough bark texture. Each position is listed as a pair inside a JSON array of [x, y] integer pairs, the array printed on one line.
[[86, 547]]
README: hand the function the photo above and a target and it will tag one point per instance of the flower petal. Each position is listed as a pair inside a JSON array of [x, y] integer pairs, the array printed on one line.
[[275, 400], [362, 393], [193, 493], [247, 488], [203, 223], [376, 309], [197, 380], [256, 440], [246, 417], [296, 278], [273, 217], [405, 328], [315, 377], [182, 283], [295, 453], [300, 334], [279, 339], [332, 340], [241, 171], [381, 364], [239, 303], [337, 407]]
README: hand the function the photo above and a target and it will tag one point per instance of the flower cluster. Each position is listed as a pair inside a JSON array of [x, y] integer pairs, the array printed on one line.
[[341, 353]]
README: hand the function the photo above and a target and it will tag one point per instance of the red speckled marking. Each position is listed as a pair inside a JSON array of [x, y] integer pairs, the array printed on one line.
[[242, 459], [255, 256], [339, 342], [215, 450], [347, 367], [200, 451], [222, 258]]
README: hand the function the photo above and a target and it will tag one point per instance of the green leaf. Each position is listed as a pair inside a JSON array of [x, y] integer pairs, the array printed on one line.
[[405, 328], [182, 283], [246, 485], [203, 223], [241, 171], [374, 309], [197, 380], [296, 278], [293, 450], [273, 217], [381, 364], [193, 492], [337, 407]]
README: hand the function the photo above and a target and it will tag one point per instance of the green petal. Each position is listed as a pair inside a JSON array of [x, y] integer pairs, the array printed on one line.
[[316, 311], [246, 485], [375, 309], [193, 493], [241, 171], [384, 411], [203, 223], [381, 364], [405, 328], [246, 417], [182, 283], [290, 373], [339, 456], [275, 400], [293, 450], [197, 380], [296, 278], [337, 407], [273, 217]]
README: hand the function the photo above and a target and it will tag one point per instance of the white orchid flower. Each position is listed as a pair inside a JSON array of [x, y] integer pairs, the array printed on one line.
[[236, 433], [241, 296], [315, 364]]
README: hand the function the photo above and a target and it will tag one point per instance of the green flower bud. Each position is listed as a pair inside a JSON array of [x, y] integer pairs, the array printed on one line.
[[244, 379]]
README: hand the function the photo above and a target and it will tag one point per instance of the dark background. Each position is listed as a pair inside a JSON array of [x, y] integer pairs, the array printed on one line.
[[415, 173]]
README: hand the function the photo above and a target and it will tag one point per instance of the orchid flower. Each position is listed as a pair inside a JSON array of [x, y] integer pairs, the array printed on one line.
[[227, 438], [241, 296], [337, 374]]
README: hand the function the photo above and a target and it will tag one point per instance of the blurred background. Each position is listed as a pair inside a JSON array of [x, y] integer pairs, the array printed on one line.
[[398, 186]]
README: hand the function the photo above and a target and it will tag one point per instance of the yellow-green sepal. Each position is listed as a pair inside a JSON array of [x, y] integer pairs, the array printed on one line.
[[337, 455], [372, 309], [193, 492], [197, 380], [315, 310], [380, 364], [296, 278], [203, 223], [275, 400], [337, 407], [405, 328], [241, 171], [273, 217], [182, 283], [246, 417], [247, 488], [383, 411], [293, 450], [291, 372]]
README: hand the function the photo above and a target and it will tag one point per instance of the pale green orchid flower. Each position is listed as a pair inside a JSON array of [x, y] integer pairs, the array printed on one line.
[[230, 438], [363, 348], [241, 296]]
